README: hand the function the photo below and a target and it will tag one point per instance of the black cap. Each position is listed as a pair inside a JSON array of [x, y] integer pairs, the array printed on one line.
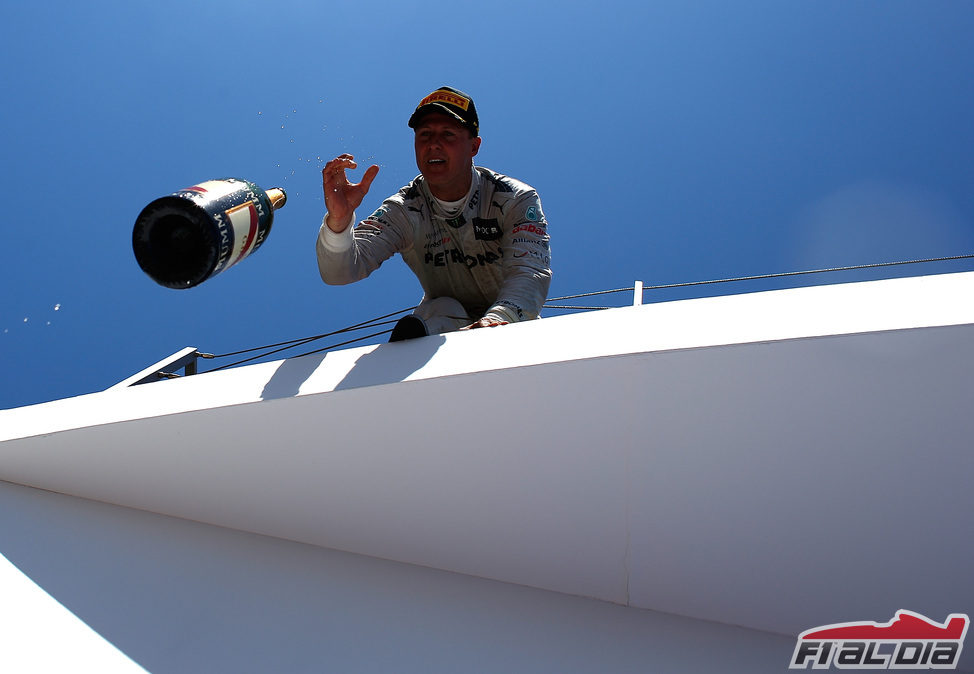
[[451, 101]]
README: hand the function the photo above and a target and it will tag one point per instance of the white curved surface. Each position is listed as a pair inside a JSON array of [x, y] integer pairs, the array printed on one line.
[[40, 635], [750, 459], [187, 598]]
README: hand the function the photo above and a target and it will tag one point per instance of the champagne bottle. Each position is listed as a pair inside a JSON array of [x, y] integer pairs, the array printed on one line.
[[183, 239]]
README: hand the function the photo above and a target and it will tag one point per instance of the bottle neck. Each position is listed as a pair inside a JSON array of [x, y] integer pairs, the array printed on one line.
[[277, 197]]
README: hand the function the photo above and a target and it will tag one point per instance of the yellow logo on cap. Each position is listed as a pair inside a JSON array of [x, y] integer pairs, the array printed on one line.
[[445, 97]]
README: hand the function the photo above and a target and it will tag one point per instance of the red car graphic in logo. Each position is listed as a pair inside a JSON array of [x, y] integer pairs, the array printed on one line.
[[908, 641]]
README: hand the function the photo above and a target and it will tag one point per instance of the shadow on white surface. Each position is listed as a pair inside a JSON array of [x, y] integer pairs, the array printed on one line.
[[177, 596]]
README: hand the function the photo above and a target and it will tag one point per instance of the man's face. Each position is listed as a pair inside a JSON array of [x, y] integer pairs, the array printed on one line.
[[444, 151]]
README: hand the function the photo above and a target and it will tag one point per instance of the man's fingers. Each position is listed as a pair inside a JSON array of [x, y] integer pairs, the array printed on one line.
[[341, 196], [370, 174], [334, 171], [335, 168], [484, 323]]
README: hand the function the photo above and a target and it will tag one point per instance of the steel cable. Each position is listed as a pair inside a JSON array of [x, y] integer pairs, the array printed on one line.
[[380, 320], [754, 278]]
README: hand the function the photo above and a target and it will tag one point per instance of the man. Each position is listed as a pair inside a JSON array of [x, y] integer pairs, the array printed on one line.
[[476, 240]]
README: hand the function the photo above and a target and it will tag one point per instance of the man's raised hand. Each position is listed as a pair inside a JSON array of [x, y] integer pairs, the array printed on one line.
[[341, 196]]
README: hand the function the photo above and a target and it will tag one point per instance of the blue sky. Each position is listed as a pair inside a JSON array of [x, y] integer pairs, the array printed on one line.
[[670, 142]]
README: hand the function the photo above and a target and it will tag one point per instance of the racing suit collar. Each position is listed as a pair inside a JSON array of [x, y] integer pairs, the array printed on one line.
[[452, 208]]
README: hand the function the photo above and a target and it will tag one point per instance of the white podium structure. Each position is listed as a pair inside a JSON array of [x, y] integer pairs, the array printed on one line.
[[679, 487]]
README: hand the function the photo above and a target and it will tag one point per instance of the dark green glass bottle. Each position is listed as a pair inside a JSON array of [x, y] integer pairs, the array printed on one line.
[[182, 239]]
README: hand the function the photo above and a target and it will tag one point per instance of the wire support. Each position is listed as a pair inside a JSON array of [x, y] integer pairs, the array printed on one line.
[[764, 276], [592, 294], [351, 341], [558, 306], [808, 271], [293, 343], [381, 320]]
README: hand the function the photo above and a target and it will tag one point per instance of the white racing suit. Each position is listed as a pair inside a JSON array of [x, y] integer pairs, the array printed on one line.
[[493, 255]]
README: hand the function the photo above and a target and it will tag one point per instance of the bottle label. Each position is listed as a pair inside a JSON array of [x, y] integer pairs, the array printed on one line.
[[241, 215], [244, 221]]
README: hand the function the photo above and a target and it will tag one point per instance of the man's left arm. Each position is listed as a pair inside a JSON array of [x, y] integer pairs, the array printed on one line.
[[526, 263]]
